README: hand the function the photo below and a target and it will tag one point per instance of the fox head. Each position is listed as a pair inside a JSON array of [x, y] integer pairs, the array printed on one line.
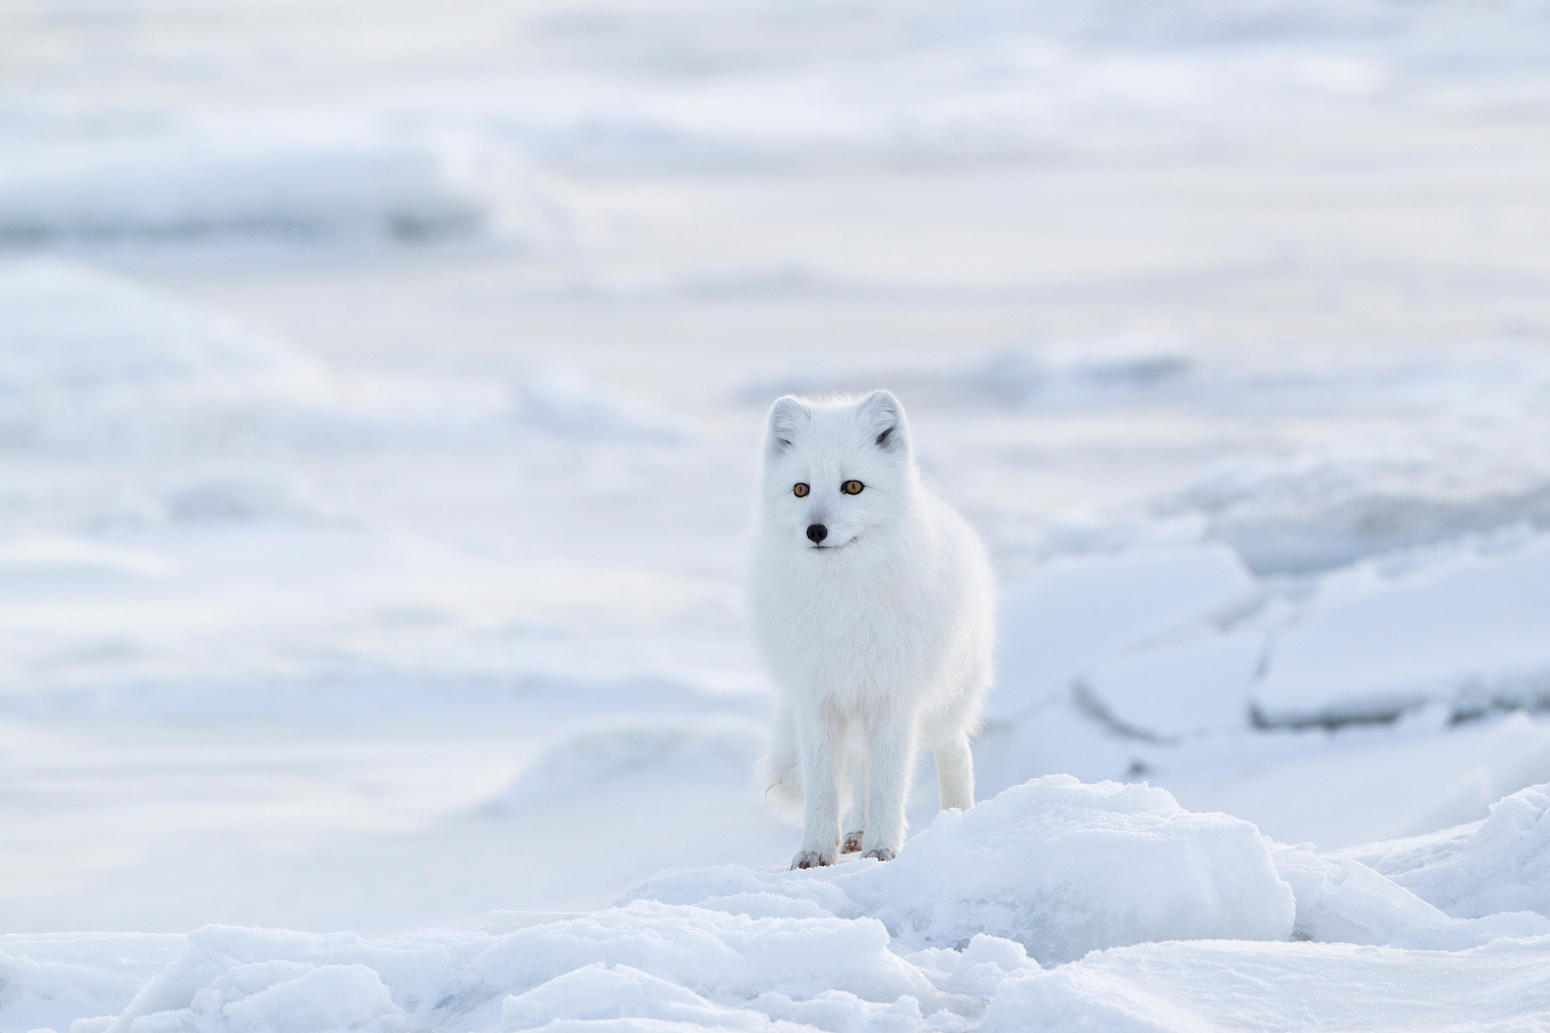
[[837, 473]]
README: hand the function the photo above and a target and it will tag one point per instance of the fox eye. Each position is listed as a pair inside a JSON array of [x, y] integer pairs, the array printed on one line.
[[800, 490], [852, 487]]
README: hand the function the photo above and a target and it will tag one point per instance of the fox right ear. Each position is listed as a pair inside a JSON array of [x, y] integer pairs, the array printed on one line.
[[787, 415]]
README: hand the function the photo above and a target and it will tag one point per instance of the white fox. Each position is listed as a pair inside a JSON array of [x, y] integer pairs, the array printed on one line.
[[873, 604]]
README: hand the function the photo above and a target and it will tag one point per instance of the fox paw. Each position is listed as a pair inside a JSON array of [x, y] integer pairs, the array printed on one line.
[[810, 859], [881, 853], [852, 842]]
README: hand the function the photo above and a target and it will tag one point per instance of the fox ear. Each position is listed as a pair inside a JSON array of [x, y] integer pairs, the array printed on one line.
[[787, 416], [885, 420]]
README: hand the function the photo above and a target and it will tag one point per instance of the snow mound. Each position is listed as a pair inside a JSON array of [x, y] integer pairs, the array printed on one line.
[[1246, 987], [1064, 868], [1469, 626], [1059, 866], [188, 186], [1499, 864]]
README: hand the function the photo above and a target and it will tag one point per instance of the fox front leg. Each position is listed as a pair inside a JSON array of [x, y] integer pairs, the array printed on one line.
[[818, 751], [892, 762]]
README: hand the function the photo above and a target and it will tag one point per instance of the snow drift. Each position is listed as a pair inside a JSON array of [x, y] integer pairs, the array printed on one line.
[[1059, 866], [1083, 876]]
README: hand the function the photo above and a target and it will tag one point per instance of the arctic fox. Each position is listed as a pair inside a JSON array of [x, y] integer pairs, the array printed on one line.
[[872, 600]]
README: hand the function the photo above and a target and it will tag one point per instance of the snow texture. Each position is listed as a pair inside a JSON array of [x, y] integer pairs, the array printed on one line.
[[1499, 864], [1057, 905]]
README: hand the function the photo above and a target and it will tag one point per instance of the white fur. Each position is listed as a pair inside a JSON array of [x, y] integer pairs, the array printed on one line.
[[880, 642]]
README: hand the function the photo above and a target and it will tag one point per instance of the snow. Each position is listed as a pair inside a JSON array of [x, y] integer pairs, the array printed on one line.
[[1499, 864], [1154, 988], [1469, 627], [1190, 644], [1122, 910], [1339, 899], [379, 415], [1392, 780], [74, 332], [196, 185], [1065, 868], [1058, 866], [1049, 631]]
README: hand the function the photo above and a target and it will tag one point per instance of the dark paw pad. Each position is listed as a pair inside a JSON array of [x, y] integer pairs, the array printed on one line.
[[852, 843], [810, 859], [881, 853]]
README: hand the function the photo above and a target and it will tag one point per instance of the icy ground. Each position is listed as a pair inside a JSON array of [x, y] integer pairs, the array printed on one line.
[[1056, 905], [379, 408]]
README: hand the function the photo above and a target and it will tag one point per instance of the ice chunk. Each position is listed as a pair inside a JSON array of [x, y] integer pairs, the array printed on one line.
[[1342, 900], [54, 980], [1499, 864], [1469, 626], [1165, 693], [1074, 610]]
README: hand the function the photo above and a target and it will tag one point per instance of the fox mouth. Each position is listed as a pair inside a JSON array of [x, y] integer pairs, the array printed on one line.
[[831, 548]]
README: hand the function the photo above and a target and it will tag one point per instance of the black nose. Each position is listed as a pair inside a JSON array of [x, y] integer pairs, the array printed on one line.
[[817, 532]]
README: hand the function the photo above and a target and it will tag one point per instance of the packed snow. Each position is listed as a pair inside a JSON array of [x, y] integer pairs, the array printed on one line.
[[1059, 904], [379, 417]]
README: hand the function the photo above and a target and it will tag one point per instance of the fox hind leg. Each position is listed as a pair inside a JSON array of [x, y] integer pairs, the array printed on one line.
[[955, 773]]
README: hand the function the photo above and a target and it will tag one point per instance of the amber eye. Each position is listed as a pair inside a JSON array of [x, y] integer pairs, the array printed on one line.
[[799, 490], [852, 487]]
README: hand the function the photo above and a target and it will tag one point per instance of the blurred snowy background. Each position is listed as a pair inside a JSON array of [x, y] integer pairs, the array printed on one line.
[[381, 388]]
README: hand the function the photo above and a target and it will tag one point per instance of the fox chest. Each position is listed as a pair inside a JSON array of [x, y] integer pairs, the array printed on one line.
[[850, 645]]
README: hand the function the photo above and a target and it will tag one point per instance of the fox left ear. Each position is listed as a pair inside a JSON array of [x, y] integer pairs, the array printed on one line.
[[786, 416], [885, 418]]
